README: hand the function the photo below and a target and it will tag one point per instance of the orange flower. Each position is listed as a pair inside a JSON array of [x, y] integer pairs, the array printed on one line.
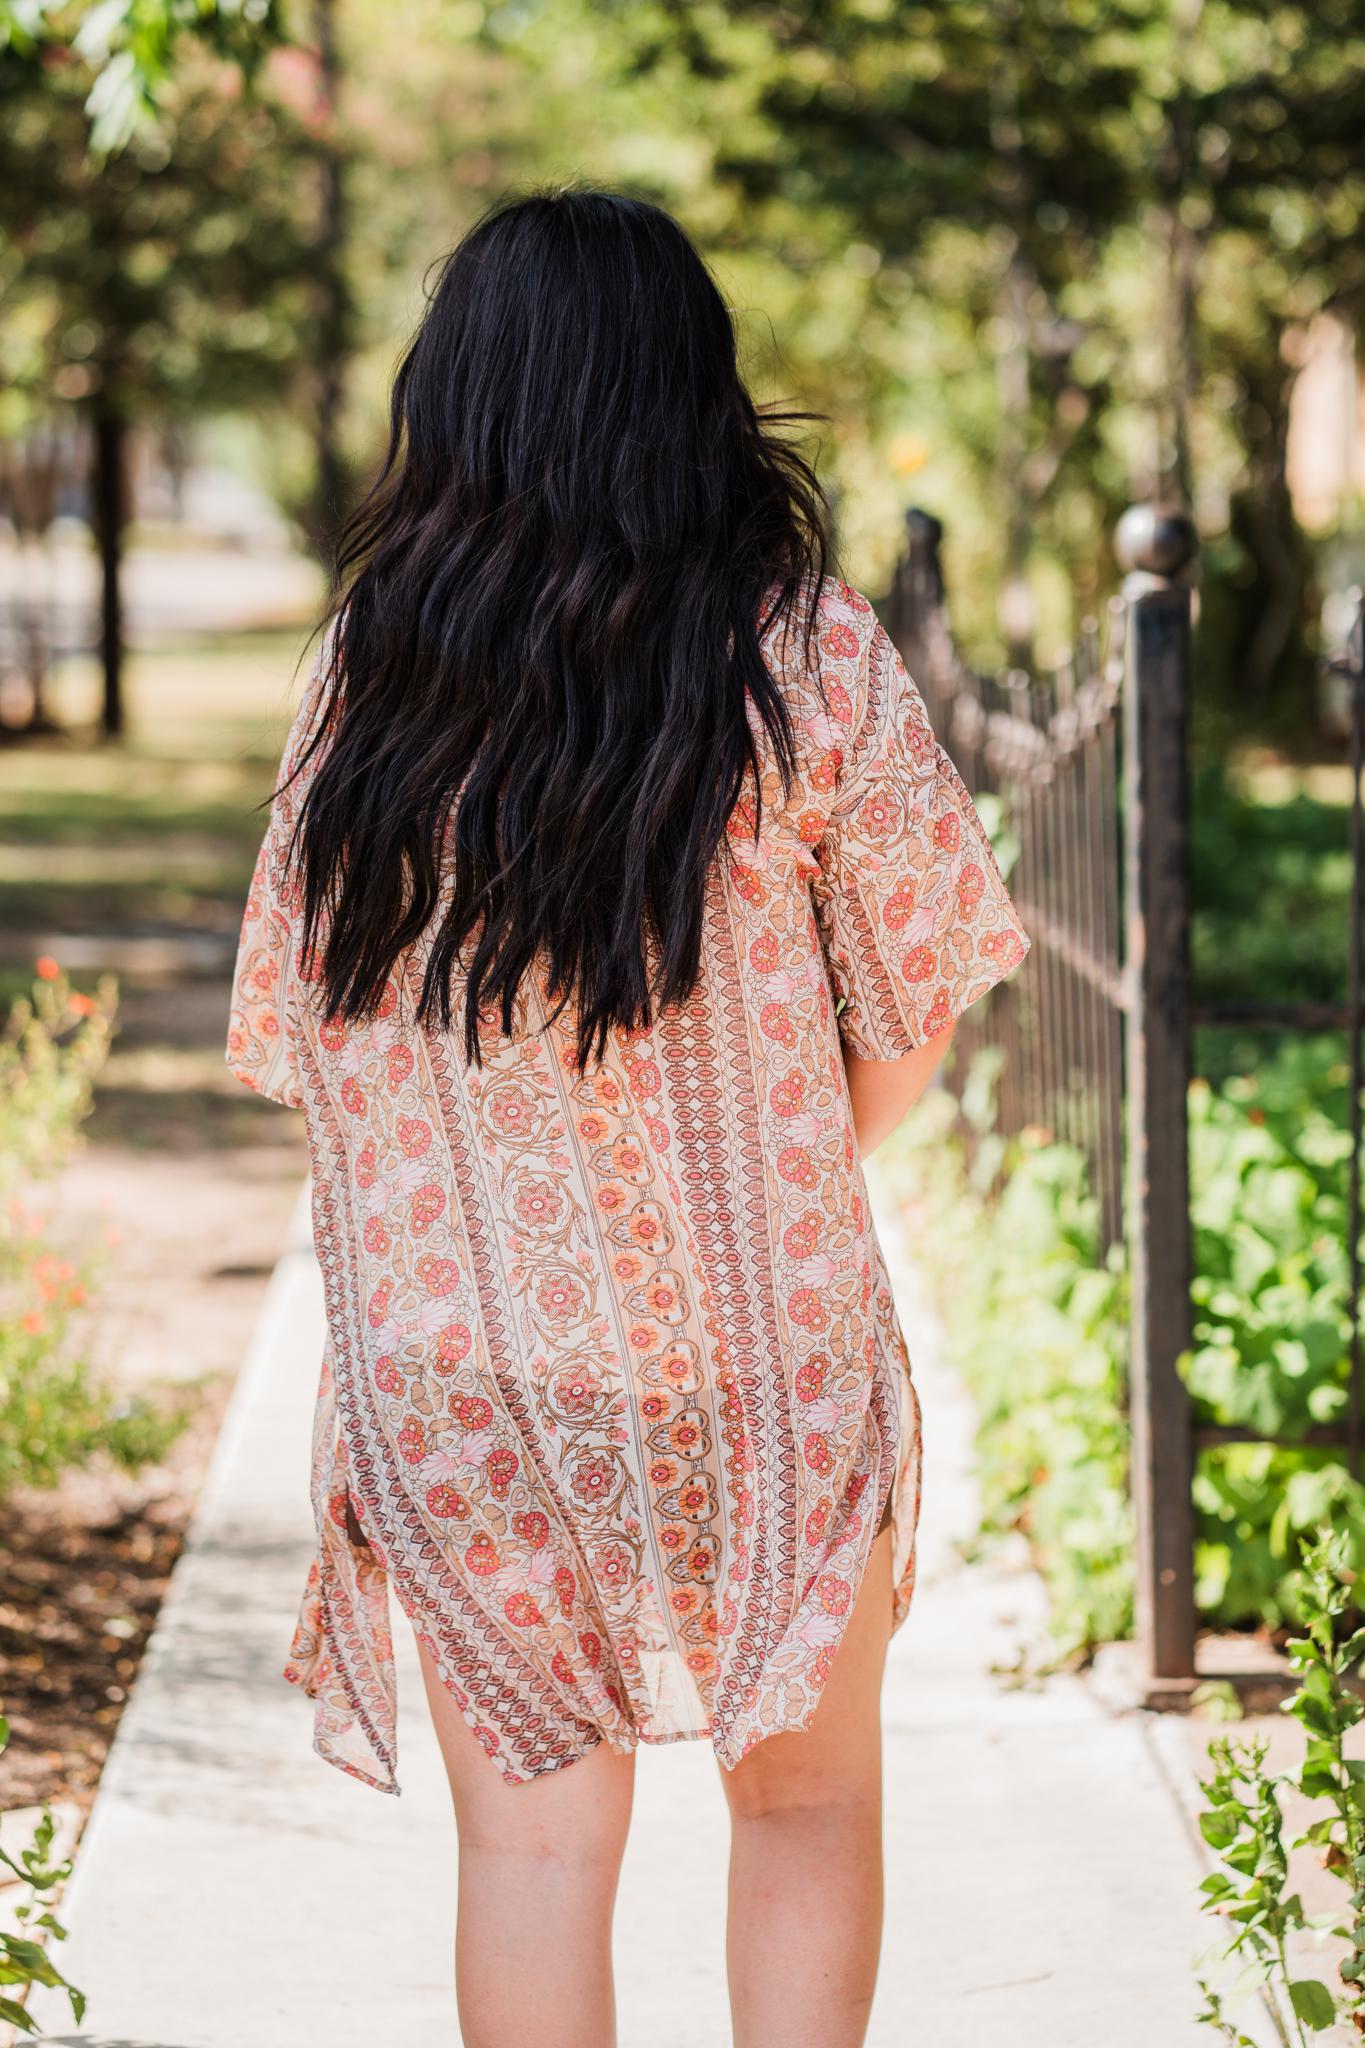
[[46, 968]]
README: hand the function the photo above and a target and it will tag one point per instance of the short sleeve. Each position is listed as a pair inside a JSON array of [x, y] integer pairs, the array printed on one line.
[[261, 1048], [912, 907]]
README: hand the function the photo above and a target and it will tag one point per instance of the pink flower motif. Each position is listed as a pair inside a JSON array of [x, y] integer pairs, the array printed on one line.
[[780, 988], [819, 1270], [805, 1128], [438, 1466], [476, 1447], [817, 1630]]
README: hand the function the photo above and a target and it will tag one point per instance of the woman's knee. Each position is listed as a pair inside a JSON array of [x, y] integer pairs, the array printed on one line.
[[798, 1775]]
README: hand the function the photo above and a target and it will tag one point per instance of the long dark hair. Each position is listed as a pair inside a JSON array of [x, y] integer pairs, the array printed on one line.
[[537, 693]]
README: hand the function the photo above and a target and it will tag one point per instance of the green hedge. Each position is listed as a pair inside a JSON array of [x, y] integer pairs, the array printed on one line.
[[1037, 1323]]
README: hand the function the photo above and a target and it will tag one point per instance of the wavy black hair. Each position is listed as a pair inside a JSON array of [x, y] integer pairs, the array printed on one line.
[[536, 697]]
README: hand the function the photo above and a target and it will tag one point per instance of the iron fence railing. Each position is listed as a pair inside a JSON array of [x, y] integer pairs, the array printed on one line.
[[1090, 767]]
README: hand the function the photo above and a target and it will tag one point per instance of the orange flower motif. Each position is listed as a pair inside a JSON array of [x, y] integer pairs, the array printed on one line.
[[794, 1164], [806, 1308], [414, 1135], [446, 1503], [840, 643], [452, 1345]]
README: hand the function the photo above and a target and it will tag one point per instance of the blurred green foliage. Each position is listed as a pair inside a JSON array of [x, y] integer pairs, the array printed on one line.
[[1031, 259], [1037, 1322], [1271, 885]]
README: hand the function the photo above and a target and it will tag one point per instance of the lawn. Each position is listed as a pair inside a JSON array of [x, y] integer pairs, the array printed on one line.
[[135, 859]]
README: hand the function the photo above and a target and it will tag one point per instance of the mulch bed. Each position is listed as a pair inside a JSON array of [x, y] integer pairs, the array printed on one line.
[[83, 1570]]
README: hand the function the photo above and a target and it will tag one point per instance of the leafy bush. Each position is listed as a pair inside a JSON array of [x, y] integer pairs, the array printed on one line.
[[54, 1411], [1244, 1822], [1037, 1325], [1271, 885], [1036, 1317], [1268, 1162]]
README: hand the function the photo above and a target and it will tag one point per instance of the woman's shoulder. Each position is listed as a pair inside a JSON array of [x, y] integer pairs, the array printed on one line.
[[824, 652]]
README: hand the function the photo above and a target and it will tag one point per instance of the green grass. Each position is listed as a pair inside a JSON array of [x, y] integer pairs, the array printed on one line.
[[105, 848]]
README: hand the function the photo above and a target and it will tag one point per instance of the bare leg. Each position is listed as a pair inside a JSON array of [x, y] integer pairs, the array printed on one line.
[[538, 1870], [805, 1921]]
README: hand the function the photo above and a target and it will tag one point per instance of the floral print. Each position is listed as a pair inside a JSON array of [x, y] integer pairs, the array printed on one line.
[[613, 1395]]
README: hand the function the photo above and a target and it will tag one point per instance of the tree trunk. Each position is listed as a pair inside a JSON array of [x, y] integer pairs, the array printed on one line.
[[109, 508], [331, 483]]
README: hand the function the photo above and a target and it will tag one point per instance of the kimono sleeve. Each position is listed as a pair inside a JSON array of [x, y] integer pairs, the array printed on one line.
[[912, 907], [261, 1048]]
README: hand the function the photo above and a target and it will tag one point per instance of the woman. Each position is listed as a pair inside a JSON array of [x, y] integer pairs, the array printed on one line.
[[615, 900]]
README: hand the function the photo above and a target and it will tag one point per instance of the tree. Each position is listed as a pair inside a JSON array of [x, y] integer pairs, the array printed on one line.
[[132, 48], [173, 278]]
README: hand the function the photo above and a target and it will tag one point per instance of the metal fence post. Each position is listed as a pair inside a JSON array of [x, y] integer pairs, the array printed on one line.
[[1157, 547]]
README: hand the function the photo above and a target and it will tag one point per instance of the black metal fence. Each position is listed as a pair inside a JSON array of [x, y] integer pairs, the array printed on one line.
[[1089, 765]]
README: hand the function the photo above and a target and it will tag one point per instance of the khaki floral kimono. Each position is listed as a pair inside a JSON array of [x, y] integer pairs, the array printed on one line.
[[614, 1396]]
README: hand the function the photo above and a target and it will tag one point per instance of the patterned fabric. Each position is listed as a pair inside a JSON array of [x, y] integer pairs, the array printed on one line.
[[614, 1395]]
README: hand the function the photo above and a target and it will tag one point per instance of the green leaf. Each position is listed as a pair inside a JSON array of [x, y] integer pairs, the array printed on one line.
[[1313, 2003]]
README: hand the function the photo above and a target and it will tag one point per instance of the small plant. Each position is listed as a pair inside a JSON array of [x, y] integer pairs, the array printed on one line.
[[1244, 1824], [25, 1962], [54, 1411]]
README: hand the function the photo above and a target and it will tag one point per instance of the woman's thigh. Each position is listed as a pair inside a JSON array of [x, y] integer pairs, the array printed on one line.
[[838, 1757], [579, 1813]]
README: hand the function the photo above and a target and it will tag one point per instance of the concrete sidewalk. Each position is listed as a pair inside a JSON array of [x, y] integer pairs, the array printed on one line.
[[233, 1892]]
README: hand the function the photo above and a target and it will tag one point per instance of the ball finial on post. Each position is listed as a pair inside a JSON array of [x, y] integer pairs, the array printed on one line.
[[1156, 543]]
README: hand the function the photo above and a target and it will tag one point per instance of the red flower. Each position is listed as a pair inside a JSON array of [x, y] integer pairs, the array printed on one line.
[[787, 1095], [774, 1021], [594, 1479], [451, 1346], [810, 1380], [899, 907], [414, 1135], [834, 1594], [501, 1467], [444, 1502], [806, 1308], [971, 887], [427, 1205], [795, 1165], [839, 642], [438, 1276], [818, 1454]]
